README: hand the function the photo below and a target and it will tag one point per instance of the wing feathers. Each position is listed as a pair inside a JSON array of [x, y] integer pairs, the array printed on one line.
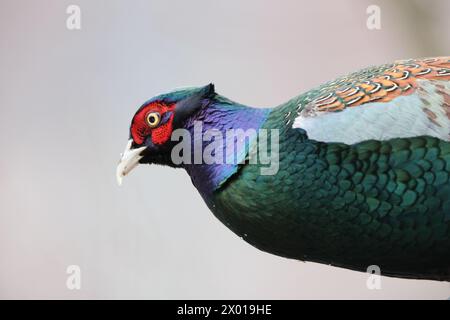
[[410, 98]]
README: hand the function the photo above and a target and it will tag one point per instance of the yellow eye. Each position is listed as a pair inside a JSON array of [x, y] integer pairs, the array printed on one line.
[[153, 119]]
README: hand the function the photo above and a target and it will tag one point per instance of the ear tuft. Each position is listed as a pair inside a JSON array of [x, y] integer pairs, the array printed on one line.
[[188, 106], [210, 89]]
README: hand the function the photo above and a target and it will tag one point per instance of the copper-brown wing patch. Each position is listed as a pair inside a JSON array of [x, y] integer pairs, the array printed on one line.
[[380, 85]]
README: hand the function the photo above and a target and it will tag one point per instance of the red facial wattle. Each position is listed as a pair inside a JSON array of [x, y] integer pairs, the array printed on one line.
[[140, 129]]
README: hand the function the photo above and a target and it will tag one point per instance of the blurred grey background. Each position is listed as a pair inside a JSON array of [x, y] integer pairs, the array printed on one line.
[[66, 101]]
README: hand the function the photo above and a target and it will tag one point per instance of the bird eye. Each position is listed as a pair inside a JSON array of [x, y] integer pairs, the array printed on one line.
[[153, 119]]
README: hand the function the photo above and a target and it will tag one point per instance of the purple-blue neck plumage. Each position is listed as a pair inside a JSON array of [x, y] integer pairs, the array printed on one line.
[[221, 115]]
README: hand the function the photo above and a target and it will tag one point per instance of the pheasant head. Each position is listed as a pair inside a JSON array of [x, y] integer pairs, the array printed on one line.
[[155, 121]]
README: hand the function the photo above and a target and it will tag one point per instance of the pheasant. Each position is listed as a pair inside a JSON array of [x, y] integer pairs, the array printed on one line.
[[362, 175]]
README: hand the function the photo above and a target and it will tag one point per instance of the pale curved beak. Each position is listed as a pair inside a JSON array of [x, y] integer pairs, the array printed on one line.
[[129, 159]]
